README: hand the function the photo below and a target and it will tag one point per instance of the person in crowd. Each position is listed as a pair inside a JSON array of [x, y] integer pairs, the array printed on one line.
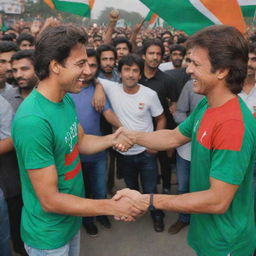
[[94, 166], [135, 105], [25, 41]]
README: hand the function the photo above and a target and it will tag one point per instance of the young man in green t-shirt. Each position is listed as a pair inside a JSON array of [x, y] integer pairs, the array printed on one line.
[[48, 140], [223, 134]]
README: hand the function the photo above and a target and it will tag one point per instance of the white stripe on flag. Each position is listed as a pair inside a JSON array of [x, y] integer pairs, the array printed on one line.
[[246, 2], [201, 8], [76, 1]]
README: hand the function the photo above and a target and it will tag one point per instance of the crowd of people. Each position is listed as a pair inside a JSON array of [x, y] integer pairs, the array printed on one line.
[[80, 107]]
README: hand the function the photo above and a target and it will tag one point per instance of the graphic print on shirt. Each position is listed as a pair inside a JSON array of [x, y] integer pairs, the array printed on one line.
[[74, 153]]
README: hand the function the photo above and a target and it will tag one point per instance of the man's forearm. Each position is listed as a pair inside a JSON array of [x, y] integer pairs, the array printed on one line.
[[6, 145], [91, 144]]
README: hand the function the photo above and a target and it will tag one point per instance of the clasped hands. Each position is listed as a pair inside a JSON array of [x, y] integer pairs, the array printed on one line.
[[123, 139], [131, 204]]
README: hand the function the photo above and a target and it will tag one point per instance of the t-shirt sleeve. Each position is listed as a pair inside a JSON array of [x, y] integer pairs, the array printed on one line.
[[6, 115], [33, 141], [156, 106], [107, 105], [231, 152]]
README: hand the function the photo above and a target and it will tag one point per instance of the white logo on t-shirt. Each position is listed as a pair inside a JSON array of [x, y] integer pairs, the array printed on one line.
[[204, 134]]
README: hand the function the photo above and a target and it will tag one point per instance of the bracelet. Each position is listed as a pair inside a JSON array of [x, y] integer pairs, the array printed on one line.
[[151, 203]]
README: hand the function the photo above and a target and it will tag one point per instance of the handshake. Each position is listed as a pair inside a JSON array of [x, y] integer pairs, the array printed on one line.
[[129, 204], [123, 139]]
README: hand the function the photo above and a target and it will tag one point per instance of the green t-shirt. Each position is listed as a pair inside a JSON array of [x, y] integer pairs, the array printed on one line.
[[223, 147], [45, 133]]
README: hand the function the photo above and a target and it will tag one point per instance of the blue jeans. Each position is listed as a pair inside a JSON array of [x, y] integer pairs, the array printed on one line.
[[72, 248], [142, 165], [95, 179], [183, 172], [5, 249]]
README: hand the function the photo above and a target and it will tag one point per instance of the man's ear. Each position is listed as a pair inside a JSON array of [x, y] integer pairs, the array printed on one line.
[[222, 73], [54, 67]]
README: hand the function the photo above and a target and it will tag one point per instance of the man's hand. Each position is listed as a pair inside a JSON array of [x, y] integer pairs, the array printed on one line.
[[99, 98], [121, 141], [139, 200], [125, 209]]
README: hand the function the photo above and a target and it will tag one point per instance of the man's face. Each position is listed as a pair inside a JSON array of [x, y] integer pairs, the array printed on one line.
[[153, 57], [75, 71], [25, 45], [93, 65], [5, 66], [130, 75], [204, 80], [107, 61], [122, 50], [24, 73], [251, 68], [176, 58]]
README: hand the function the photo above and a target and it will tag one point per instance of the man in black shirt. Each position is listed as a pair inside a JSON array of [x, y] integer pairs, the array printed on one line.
[[165, 87]]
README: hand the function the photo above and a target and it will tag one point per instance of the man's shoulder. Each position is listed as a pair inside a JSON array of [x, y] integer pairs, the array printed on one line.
[[147, 90]]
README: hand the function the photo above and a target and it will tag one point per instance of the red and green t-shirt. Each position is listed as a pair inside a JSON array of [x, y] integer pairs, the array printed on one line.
[[223, 147]]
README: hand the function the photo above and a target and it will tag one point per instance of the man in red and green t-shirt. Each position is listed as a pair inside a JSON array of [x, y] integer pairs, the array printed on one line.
[[223, 134]]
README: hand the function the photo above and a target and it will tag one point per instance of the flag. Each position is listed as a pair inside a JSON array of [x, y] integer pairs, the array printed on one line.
[[248, 7], [151, 17], [78, 7], [193, 15]]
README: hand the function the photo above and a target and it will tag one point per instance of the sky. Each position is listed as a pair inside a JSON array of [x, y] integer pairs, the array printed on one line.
[[128, 5]]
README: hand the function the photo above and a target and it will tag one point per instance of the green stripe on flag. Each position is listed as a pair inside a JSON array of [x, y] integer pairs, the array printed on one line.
[[149, 15], [248, 11], [80, 9], [180, 14]]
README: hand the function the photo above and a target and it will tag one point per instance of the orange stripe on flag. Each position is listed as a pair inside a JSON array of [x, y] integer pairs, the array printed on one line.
[[153, 18], [91, 3], [228, 12], [49, 3], [71, 174], [69, 158]]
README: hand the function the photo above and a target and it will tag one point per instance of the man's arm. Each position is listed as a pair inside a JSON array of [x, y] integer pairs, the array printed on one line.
[[90, 144], [159, 140], [54, 201], [6, 145], [160, 122], [215, 200], [112, 118]]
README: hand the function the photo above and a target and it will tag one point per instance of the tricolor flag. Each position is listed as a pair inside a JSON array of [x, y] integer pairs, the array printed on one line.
[[151, 17], [193, 15], [78, 7], [248, 7]]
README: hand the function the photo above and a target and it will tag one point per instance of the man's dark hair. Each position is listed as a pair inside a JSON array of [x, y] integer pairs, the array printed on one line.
[[129, 60], [121, 40], [24, 54], [55, 43], [166, 32], [90, 52], [152, 42], [252, 48], [182, 39], [178, 47], [104, 48], [8, 37], [227, 48], [27, 37], [8, 46]]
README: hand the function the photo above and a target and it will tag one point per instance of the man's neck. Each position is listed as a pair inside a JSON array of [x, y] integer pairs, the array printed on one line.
[[108, 75], [51, 90], [25, 92], [149, 72], [131, 90], [249, 83], [219, 96], [2, 84]]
